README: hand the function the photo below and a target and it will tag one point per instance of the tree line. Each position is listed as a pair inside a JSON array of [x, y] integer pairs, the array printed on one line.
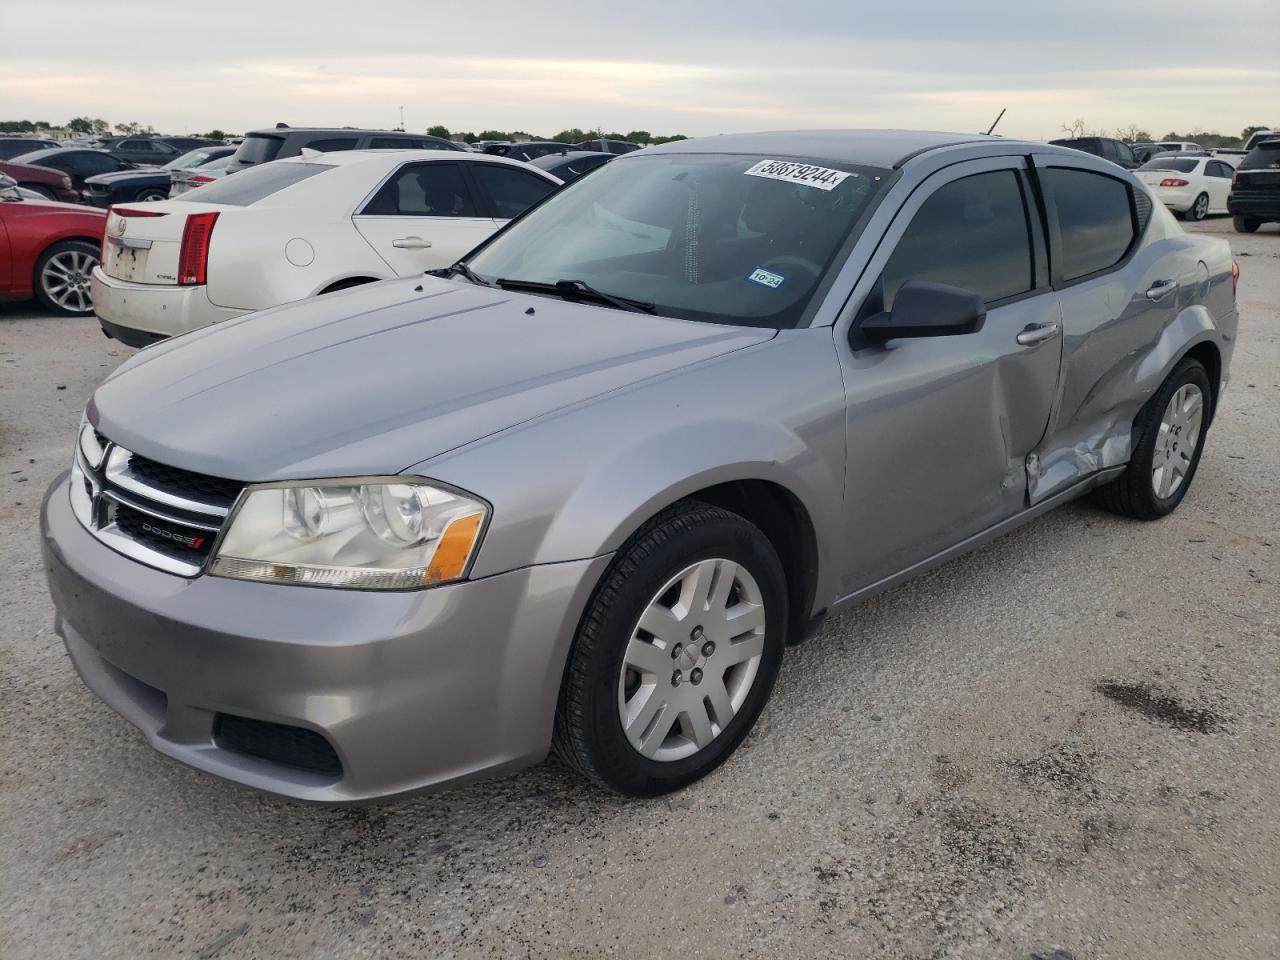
[[572, 135], [93, 126], [1136, 134]]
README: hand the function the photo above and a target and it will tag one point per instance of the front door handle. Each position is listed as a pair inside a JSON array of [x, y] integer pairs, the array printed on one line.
[[1035, 333], [411, 243], [1161, 289]]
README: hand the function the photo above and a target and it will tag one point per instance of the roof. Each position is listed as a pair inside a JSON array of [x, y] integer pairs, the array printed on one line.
[[873, 148]]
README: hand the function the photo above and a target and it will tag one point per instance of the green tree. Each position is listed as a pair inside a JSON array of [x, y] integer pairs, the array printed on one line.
[[671, 139], [216, 134], [573, 135], [438, 131], [639, 136], [491, 135], [80, 125], [1248, 132]]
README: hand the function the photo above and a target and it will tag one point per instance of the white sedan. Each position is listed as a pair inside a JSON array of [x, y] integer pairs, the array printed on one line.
[[1192, 186], [299, 227]]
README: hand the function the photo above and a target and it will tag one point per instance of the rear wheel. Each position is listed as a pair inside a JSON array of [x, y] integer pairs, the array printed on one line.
[[152, 193], [62, 275], [1171, 431], [676, 654], [1200, 209], [1245, 224]]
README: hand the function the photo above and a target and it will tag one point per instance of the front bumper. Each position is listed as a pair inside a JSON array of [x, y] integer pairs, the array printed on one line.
[[154, 310], [414, 691]]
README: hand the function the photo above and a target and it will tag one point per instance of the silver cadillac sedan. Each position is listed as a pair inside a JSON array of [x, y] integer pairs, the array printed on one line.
[[580, 491]]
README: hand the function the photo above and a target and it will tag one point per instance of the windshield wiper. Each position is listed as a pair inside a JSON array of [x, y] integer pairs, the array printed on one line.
[[446, 272], [577, 290]]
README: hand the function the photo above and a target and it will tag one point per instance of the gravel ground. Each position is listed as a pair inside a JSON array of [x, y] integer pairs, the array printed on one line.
[[1061, 746]]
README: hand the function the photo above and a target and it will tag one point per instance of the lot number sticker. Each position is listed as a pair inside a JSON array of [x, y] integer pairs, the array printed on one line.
[[789, 171]]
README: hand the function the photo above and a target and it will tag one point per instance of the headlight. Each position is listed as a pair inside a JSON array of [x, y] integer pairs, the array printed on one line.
[[389, 533], [66, 183]]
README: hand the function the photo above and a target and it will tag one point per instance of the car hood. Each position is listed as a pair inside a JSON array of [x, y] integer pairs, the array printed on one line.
[[376, 378], [119, 176]]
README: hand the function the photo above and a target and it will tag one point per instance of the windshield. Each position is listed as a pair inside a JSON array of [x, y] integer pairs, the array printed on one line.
[[1182, 165], [259, 148], [193, 158], [725, 238]]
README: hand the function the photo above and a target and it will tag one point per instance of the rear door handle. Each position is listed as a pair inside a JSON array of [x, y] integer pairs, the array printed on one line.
[[411, 243], [1161, 289], [1035, 333]]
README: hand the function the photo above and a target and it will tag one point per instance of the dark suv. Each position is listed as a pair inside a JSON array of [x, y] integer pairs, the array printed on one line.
[[263, 146], [1255, 188], [1116, 151]]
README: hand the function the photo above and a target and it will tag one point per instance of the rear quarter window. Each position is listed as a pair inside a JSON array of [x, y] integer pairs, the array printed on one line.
[[250, 186], [1095, 220]]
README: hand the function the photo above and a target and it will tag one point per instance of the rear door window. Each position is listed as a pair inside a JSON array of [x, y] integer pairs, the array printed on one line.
[[424, 190], [971, 233], [332, 144], [512, 191], [250, 186], [1095, 219]]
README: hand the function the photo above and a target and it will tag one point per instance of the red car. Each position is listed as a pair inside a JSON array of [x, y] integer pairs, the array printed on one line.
[[54, 184], [48, 250]]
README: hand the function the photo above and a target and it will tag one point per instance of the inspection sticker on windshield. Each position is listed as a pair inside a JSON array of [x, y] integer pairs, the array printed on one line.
[[824, 178], [766, 279]]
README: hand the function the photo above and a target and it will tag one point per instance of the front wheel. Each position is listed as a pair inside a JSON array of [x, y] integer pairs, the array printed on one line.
[[1245, 224], [1171, 431], [62, 277], [676, 654]]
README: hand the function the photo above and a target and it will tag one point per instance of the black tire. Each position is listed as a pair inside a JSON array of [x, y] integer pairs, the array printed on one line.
[[151, 193], [588, 730], [45, 296], [1245, 224], [39, 188], [1195, 213], [1131, 494]]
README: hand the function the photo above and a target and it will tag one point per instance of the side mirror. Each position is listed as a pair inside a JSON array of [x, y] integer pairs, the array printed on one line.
[[922, 309]]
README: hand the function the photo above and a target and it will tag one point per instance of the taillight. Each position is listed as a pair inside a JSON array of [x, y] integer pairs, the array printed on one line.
[[1235, 278], [200, 179], [1173, 182], [193, 255]]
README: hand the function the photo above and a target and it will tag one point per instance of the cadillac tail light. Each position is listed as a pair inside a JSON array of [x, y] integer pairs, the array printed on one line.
[[193, 256]]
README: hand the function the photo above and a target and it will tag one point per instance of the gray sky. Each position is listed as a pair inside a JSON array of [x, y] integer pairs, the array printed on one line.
[[695, 67]]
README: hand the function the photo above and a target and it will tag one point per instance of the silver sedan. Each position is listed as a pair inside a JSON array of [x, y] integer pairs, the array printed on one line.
[[581, 490]]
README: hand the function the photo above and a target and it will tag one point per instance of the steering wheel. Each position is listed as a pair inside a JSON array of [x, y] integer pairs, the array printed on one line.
[[804, 264]]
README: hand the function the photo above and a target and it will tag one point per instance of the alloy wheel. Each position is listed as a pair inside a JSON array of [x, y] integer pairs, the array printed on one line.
[[691, 660], [1176, 441], [1202, 206], [65, 279]]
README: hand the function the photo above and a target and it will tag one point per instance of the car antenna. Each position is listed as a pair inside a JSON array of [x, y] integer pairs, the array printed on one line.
[[997, 120]]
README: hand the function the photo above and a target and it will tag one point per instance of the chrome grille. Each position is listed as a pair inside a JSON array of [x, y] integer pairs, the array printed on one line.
[[159, 515]]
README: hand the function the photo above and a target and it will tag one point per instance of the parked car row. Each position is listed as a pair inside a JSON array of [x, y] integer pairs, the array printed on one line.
[[298, 227]]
